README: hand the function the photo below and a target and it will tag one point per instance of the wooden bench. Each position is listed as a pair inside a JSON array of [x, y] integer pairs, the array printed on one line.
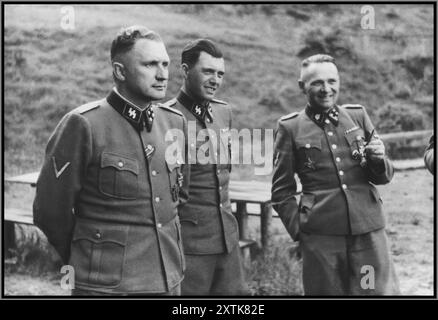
[[241, 193]]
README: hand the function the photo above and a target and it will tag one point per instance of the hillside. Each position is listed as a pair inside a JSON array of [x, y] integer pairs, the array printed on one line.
[[49, 71]]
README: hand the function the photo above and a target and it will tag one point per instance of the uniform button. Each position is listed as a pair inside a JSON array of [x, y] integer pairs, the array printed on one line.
[[327, 121], [218, 171], [215, 154], [307, 146], [338, 159], [334, 146], [157, 199], [154, 173], [344, 186], [330, 133], [220, 205], [358, 138], [192, 145], [97, 235], [220, 187], [178, 162], [159, 225], [120, 164], [341, 173]]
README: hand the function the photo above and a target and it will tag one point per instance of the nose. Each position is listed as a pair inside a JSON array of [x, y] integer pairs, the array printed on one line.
[[162, 73], [325, 87]]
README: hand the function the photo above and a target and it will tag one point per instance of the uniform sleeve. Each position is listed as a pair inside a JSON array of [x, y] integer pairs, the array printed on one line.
[[185, 170], [67, 154], [284, 187], [378, 172], [429, 156]]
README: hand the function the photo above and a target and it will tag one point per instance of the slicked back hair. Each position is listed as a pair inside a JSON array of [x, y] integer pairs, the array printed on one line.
[[192, 51], [127, 37]]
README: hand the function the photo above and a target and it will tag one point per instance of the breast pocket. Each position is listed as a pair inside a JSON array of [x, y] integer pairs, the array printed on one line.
[[175, 179], [309, 154], [118, 176]]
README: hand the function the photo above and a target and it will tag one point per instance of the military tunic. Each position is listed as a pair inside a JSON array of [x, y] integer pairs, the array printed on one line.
[[209, 229], [339, 197], [105, 198]]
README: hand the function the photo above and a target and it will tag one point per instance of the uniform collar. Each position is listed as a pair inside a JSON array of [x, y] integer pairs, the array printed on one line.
[[202, 111], [137, 117], [320, 118]]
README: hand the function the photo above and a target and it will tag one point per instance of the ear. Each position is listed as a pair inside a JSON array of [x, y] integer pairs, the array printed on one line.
[[119, 71], [185, 69], [302, 86]]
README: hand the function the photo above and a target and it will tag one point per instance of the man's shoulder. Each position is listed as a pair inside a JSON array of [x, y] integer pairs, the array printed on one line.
[[289, 117], [169, 106], [94, 105]]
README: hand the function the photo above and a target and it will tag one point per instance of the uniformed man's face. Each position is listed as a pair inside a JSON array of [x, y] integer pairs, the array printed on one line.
[[205, 77], [320, 83], [146, 70]]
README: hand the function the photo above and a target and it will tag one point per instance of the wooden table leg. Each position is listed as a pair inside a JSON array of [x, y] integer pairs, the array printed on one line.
[[242, 219], [265, 223], [9, 238]]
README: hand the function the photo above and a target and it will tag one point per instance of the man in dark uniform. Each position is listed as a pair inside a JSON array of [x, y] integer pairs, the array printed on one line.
[[338, 158], [209, 229], [429, 156], [106, 197]]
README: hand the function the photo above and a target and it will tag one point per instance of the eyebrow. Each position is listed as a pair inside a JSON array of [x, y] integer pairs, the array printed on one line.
[[212, 70]]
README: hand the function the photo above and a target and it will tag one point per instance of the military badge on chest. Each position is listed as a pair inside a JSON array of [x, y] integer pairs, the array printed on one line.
[[308, 162]]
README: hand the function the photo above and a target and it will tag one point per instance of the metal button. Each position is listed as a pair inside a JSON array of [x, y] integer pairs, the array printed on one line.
[[220, 187], [157, 199], [334, 146], [97, 235], [358, 138], [120, 164], [307, 145], [192, 145], [159, 225], [344, 186], [330, 133], [327, 121], [338, 159], [154, 173], [218, 171], [220, 205], [341, 173], [208, 120]]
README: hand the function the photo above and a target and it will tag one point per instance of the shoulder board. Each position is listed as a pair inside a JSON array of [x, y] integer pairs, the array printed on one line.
[[89, 106], [218, 101], [168, 108], [169, 103], [352, 106], [289, 116]]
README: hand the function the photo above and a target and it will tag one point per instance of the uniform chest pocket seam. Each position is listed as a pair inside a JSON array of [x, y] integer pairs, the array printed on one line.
[[118, 176]]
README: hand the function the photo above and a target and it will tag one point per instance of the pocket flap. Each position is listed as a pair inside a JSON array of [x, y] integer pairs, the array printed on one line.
[[101, 232], [307, 200], [355, 135], [308, 143], [119, 162]]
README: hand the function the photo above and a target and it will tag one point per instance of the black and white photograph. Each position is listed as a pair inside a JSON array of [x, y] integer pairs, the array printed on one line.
[[219, 150]]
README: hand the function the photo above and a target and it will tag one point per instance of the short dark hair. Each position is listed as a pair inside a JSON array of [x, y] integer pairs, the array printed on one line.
[[192, 51], [127, 37]]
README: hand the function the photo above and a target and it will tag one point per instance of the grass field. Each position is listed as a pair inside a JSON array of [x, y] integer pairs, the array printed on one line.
[[49, 71]]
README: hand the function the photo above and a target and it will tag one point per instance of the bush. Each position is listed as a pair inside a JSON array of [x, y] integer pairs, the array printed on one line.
[[397, 118]]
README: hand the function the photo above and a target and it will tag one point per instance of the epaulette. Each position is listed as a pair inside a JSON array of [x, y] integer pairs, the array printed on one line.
[[218, 101], [168, 108], [89, 106], [352, 106], [169, 103], [289, 116]]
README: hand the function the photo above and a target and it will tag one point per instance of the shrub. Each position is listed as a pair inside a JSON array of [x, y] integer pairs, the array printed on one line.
[[396, 118]]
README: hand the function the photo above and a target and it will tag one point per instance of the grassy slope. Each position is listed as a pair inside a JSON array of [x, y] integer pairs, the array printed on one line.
[[49, 71]]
